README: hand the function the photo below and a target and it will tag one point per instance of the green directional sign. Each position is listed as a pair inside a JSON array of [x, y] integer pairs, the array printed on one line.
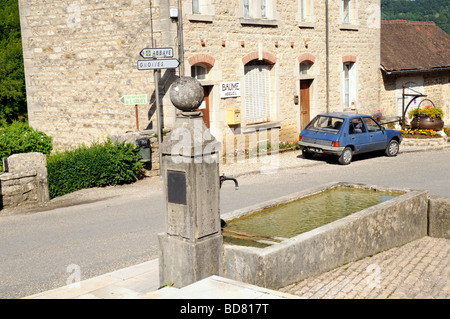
[[136, 99]]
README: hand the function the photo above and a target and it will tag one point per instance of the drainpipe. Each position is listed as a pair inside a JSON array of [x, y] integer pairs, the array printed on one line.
[[328, 56], [180, 38]]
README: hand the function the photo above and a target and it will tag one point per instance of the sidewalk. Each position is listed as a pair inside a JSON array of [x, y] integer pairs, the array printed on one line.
[[420, 269], [417, 270]]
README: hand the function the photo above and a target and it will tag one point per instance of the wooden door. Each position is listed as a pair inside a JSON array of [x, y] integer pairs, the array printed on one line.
[[305, 99], [204, 107]]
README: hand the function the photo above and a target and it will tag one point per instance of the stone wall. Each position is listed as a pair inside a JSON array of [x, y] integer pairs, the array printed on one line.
[[24, 180], [80, 59], [432, 143]]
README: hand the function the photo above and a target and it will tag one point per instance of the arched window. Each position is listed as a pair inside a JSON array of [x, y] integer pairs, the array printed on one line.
[[199, 71], [305, 67], [349, 85]]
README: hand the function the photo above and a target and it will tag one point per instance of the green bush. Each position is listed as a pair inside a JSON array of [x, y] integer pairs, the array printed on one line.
[[99, 165], [19, 137]]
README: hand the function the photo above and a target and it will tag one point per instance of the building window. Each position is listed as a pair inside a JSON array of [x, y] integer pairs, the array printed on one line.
[[199, 71], [259, 9], [196, 6], [349, 79], [200, 11], [263, 9], [305, 67], [246, 8], [306, 10], [257, 92], [346, 11]]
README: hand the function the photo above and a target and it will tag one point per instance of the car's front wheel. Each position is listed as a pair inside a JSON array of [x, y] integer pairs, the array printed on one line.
[[392, 148], [346, 156]]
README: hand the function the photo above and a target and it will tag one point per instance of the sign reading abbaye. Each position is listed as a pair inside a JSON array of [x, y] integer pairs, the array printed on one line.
[[230, 89]]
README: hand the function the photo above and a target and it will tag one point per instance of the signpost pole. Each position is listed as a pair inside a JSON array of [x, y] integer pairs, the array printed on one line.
[[158, 114], [137, 117], [158, 110]]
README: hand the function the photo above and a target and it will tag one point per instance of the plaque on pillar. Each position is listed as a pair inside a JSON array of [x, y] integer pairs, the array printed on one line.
[[176, 187]]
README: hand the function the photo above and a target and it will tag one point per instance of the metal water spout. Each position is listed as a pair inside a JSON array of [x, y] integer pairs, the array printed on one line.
[[224, 178]]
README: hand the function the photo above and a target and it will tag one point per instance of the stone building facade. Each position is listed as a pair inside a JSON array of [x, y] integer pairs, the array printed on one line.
[[264, 64]]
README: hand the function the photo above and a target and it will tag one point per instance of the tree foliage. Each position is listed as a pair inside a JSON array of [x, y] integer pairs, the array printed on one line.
[[12, 77], [18, 137], [418, 10]]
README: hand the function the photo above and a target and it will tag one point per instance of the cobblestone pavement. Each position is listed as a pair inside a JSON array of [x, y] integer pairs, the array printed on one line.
[[417, 270]]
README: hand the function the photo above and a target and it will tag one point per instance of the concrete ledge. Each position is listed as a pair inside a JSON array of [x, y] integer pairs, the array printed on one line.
[[216, 287], [439, 217]]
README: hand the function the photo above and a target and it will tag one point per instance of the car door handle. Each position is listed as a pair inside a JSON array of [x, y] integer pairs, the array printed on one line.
[[353, 137], [371, 135]]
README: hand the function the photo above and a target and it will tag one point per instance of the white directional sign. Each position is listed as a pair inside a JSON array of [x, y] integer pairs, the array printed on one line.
[[157, 53], [158, 64]]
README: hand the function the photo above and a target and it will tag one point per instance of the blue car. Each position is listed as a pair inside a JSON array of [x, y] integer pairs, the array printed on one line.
[[346, 134]]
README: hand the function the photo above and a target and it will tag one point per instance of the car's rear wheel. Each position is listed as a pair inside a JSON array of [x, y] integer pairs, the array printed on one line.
[[306, 154], [346, 156], [392, 148]]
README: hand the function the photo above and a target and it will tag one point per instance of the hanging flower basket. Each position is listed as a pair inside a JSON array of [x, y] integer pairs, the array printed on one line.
[[428, 118], [426, 123]]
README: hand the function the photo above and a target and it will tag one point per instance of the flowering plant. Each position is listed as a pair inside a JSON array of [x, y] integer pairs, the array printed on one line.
[[378, 115], [287, 145], [418, 132], [427, 111]]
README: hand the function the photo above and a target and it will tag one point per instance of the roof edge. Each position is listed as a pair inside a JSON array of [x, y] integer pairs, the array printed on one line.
[[404, 71], [408, 22]]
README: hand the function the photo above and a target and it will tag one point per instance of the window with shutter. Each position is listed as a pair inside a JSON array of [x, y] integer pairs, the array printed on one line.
[[257, 92], [349, 85]]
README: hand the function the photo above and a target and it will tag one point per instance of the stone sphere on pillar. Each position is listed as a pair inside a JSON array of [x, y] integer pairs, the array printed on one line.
[[186, 94]]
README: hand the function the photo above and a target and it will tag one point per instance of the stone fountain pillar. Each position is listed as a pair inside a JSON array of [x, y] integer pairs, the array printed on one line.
[[191, 246]]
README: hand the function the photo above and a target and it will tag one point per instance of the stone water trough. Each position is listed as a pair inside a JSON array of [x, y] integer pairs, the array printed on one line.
[[383, 226]]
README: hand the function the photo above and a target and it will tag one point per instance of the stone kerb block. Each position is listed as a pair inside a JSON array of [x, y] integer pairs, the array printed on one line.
[[439, 217], [24, 180]]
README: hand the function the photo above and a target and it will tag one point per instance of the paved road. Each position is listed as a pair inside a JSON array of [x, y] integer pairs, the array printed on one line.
[[113, 228]]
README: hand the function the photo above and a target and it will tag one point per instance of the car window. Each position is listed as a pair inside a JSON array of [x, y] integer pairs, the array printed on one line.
[[327, 124], [356, 126], [372, 126]]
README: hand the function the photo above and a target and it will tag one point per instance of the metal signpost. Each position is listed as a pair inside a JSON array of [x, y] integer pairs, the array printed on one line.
[[157, 65]]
